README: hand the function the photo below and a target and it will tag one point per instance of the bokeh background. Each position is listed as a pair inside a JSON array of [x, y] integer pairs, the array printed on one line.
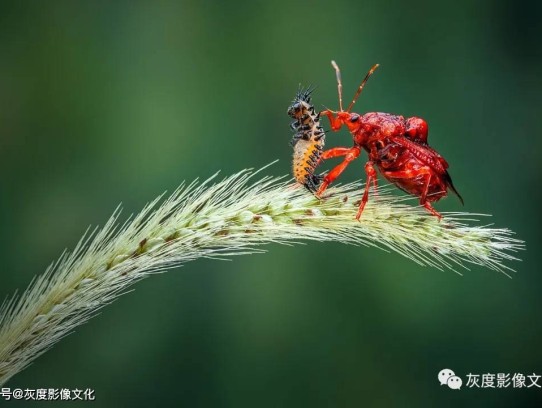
[[103, 102]]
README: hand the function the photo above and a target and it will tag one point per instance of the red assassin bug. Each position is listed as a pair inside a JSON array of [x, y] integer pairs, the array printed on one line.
[[397, 146]]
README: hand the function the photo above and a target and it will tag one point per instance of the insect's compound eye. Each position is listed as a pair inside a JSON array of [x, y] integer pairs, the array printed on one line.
[[354, 118]]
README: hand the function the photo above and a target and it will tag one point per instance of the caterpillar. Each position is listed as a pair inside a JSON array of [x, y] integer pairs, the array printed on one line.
[[308, 140]]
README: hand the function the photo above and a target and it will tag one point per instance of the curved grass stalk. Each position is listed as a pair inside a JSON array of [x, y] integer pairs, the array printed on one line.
[[230, 217]]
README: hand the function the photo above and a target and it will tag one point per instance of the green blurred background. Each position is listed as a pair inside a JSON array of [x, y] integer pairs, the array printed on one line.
[[103, 102]]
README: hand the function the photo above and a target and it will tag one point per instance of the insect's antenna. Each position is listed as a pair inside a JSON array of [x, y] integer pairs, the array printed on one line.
[[339, 84], [356, 96]]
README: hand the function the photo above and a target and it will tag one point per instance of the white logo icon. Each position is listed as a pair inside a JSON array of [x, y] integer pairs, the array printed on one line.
[[444, 375], [448, 377], [454, 382]]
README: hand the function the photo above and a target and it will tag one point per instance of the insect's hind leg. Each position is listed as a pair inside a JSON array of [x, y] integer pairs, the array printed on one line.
[[423, 198], [430, 208], [350, 153], [411, 174]]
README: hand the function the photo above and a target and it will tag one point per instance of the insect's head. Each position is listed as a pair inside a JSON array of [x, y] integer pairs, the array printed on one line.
[[351, 120], [301, 103], [294, 110], [338, 118]]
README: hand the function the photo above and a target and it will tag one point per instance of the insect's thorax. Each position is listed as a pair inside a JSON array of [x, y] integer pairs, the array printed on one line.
[[376, 128], [384, 137]]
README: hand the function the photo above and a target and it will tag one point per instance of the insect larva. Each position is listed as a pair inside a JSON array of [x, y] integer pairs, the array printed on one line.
[[308, 140]]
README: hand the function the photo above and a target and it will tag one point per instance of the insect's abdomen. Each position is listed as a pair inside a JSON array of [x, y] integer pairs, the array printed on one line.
[[400, 156], [305, 158], [308, 141], [416, 185]]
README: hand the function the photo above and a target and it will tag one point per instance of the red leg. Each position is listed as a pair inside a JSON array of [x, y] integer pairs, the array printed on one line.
[[375, 180], [330, 154], [430, 208], [334, 122], [350, 154], [426, 172], [371, 176], [335, 152], [423, 198]]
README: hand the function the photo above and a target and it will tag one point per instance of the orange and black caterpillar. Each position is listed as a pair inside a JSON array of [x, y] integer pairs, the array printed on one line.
[[308, 140]]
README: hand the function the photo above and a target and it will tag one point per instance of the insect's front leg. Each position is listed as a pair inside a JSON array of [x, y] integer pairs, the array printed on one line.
[[335, 122], [350, 153]]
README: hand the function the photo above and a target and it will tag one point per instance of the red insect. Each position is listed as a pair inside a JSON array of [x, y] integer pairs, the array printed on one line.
[[397, 146]]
